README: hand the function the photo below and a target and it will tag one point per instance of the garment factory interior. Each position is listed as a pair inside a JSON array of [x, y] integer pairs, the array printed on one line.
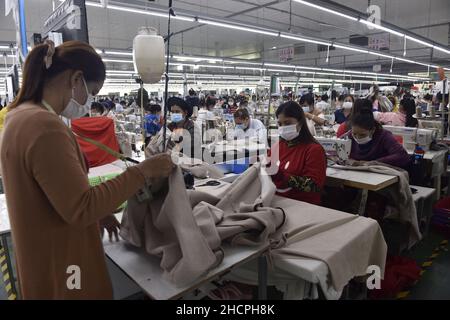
[[224, 150]]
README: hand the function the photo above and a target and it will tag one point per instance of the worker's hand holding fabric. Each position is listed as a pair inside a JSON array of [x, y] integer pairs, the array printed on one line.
[[112, 225], [157, 166]]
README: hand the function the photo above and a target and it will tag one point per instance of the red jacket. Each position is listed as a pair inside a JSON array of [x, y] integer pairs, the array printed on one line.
[[301, 169]]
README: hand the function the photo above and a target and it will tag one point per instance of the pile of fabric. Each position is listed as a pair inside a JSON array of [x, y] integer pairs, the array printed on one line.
[[186, 228]]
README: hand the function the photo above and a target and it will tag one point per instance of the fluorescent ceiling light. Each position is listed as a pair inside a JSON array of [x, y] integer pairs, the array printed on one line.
[[419, 41], [304, 39], [231, 26], [118, 61], [197, 58], [279, 65], [119, 53], [327, 10], [4, 47], [441, 49], [349, 48], [140, 11], [380, 27], [381, 55]]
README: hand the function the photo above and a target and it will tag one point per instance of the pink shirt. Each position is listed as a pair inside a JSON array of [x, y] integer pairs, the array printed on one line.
[[391, 118]]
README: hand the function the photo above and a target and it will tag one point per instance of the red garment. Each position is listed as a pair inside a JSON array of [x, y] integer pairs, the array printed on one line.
[[400, 274], [342, 129], [301, 160], [100, 129]]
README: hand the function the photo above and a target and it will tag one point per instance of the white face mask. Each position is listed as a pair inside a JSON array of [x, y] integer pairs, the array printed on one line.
[[76, 110], [288, 133], [306, 109], [347, 105], [364, 140]]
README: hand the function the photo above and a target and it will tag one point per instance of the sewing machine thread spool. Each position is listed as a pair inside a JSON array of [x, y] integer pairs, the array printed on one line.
[[432, 111], [419, 112]]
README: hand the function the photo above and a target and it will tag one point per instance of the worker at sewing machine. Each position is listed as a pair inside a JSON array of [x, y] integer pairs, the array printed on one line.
[[342, 115], [185, 133], [312, 115], [370, 142], [402, 118], [297, 162], [97, 109], [247, 127]]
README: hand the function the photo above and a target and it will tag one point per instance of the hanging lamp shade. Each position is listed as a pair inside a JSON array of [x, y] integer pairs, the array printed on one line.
[[148, 55]]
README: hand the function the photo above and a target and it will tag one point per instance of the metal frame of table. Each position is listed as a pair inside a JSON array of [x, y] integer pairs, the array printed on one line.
[[146, 272], [343, 177]]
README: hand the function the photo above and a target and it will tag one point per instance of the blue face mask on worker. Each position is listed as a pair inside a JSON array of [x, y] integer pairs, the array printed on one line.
[[306, 109], [176, 117]]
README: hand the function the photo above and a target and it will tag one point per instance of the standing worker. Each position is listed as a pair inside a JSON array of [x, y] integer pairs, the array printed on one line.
[[54, 212]]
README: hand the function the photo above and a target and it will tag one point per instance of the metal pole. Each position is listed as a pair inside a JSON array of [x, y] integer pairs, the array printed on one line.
[[166, 88]]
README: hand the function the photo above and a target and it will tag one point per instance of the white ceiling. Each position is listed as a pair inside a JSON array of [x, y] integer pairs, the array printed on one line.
[[114, 29]]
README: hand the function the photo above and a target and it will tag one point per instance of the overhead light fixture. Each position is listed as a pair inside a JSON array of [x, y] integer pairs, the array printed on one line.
[[427, 44], [381, 55], [304, 39], [350, 48], [236, 27], [380, 27], [117, 61], [119, 53], [441, 49], [278, 65], [327, 10], [140, 11]]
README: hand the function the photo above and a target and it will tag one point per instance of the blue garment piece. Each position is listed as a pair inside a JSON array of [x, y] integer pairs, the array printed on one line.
[[152, 125]]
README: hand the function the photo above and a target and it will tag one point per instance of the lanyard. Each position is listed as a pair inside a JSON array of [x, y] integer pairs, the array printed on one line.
[[96, 143]]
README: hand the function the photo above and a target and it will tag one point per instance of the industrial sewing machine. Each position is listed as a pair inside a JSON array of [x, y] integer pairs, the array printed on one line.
[[336, 149], [409, 137]]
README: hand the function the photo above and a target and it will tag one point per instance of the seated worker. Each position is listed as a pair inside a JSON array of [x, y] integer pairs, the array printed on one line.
[[312, 115], [370, 142], [402, 118], [97, 109], [301, 160], [186, 134], [152, 121], [323, 104], [246, 127], [232, 106], [342, 115]]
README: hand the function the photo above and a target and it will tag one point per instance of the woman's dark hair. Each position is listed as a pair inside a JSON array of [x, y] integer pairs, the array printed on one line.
[[361, 106], [210, 101], [362, 115], [175, 101], [241, 113], [342, 97], [98, 107], [308, 99], [409, 105], [71, 55], [293, 110], [347, 96], [154, 108]]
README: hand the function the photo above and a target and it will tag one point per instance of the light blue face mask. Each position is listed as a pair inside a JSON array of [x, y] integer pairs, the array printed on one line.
[[176, 117], [306, 109], [240, 126]]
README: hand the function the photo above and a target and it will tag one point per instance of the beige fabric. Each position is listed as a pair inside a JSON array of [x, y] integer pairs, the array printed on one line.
[[187, 229], [402, 206], [348, 244]]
